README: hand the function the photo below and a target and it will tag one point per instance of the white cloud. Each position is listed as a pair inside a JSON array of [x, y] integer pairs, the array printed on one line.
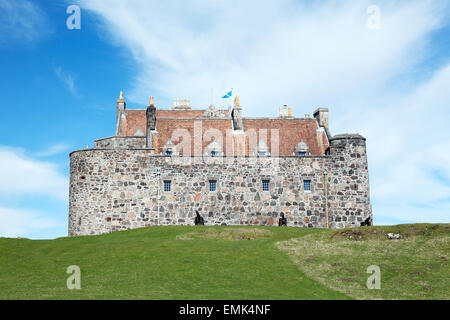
[[273, 52], [308, 55], [22, 20], [22, 175], [54, 150], [66, 78], [22, 223]]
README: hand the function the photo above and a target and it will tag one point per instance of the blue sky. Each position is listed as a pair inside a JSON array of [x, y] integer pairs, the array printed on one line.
[[59, 87]]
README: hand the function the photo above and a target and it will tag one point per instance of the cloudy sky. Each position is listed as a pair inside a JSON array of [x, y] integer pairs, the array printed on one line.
[[381, 67]]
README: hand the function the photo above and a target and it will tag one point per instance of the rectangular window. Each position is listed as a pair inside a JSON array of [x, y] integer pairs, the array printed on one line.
[[266, 185], [212, 185], [302, 154], [168, 153], [213, 153], [307, 185], [167, 185]]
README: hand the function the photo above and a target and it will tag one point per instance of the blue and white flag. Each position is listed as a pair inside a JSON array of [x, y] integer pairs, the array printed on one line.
[[228, 95]]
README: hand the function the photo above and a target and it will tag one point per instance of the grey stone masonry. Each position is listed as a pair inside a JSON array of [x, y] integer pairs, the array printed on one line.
[[121, 142], [116, 189]]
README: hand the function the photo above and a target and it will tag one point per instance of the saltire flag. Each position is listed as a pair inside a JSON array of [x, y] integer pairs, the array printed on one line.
[[228, 95]]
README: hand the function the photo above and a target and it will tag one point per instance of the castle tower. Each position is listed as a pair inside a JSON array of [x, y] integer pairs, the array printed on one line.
[[349, 186]]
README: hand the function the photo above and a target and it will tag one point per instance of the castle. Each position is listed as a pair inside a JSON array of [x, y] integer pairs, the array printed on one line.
[[162, 166]]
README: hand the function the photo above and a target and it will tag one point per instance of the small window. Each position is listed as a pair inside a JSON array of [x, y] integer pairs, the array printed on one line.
[[167, 185], [168, 153], [213, 153], [261, 154], [302, 154], [307, 185], [212, 185], [266, 185]]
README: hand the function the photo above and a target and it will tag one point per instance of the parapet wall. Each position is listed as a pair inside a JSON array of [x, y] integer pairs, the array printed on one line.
[[120, 142], [121, 189]]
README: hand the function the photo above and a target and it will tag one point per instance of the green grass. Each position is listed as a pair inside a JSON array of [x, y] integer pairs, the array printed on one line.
[[184, 262], [152, 263], [415, 267]]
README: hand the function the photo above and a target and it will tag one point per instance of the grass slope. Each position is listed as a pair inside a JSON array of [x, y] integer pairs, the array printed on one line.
[[184, 262], [153, 263], [415, 267]]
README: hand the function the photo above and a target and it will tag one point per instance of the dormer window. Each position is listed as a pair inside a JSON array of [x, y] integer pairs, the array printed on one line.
[[262, 150], [214, 149], [301, 149], [169, 148], [138, 133]]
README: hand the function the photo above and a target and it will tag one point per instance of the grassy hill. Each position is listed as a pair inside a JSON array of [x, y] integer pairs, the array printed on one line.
[[186, 262]]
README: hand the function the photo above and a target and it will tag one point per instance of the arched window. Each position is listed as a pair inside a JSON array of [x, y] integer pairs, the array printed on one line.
[[301, 149]]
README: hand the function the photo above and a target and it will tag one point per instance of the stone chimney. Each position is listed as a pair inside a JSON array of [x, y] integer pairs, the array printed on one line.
[[321, 115], [151, 122], [236, 114], [121, 105]]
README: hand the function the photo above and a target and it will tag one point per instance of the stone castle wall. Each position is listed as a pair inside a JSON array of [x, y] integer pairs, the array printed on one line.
[[114, 190], [120, 142]]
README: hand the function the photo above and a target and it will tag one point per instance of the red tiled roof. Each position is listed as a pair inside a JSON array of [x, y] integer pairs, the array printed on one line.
[[290, 131]]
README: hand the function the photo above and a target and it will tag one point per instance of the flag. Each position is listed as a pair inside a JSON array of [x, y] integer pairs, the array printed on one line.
[[228, 95]]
